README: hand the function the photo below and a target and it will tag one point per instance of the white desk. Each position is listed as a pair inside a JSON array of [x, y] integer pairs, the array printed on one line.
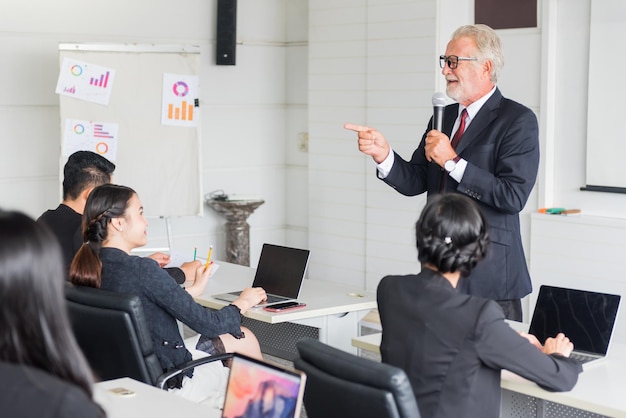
[[332, 308], [600, 387], [147, 401]]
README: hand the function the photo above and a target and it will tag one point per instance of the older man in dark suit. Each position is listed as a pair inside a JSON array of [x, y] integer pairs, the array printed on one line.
[[493, 158]]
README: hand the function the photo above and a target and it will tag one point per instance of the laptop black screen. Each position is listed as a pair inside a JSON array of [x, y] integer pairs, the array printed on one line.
[[586, 318], [281, 270]]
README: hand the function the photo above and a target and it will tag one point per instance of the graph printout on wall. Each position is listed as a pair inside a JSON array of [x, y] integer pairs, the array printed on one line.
[[137, 105]]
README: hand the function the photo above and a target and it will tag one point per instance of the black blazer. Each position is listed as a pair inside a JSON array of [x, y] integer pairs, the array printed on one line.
[[453, 346], [501, 147], [27, 391]]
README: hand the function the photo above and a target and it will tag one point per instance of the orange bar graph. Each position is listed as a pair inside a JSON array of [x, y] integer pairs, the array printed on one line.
[[185, 112]]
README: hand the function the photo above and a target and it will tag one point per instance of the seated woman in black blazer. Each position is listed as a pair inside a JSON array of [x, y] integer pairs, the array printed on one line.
[[42, 371], [114, 224], [451, 345]]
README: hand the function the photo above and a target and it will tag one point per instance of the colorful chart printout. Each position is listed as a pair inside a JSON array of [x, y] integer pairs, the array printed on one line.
[[99, 137], [85, 81], [180, 97]]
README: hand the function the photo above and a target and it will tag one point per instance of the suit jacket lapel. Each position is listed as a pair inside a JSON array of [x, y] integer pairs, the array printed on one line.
[[483, 118]]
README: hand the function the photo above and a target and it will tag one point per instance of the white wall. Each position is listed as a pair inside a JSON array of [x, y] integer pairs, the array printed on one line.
[[251, 112], [585, 252], [581, 253], [304, 67], [375, 62], [570, 61]]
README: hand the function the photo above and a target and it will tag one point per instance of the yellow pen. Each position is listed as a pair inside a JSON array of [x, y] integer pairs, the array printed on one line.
[[208, 258]]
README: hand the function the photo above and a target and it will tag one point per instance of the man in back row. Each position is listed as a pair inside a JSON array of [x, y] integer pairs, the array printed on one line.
[[83, 171]]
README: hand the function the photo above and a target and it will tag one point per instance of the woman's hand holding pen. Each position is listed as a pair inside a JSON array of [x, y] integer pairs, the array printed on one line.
[[189, 268], [202, 275]]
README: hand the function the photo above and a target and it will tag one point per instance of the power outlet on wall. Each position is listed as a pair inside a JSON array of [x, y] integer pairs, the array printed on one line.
[[303, 141]]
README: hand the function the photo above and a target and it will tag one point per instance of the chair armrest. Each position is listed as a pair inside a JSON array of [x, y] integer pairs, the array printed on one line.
[[160, 383]]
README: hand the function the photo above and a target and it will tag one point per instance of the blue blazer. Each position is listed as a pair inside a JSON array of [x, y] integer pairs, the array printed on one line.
[[501, 147]]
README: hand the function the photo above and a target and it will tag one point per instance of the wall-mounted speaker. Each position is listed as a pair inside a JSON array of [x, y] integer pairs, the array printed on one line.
[[226, 32]]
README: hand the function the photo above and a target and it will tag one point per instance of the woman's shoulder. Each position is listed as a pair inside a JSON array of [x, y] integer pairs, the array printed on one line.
[[390, 282], [425, 278], [110, 255]]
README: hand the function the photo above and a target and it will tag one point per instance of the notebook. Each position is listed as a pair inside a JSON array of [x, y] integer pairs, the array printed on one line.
[[280, 273], [259, 389], [586, 318]]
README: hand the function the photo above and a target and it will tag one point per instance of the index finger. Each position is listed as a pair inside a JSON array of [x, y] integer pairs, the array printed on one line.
[[356, 128]]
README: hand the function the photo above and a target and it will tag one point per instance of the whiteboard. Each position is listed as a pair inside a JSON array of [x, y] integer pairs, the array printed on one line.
[[606, 130], [160, 162]]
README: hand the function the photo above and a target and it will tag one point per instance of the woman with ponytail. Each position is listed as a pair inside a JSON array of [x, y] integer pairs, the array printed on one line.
[[113, 225], [42, 371]]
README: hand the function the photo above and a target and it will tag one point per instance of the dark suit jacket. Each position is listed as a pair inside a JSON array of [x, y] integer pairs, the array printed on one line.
[[30, 392], [501, 147], [65, 223], [453, 346]]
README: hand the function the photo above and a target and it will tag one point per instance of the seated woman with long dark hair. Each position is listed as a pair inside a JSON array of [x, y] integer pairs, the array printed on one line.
[[113, 224], [43, 373]]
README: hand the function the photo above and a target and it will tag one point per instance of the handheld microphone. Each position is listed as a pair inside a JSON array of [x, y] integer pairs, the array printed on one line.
[[439, 103]]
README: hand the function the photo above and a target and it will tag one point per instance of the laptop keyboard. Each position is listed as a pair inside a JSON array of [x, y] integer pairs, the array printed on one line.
[[270, 298], [274, 299], [582, 358]]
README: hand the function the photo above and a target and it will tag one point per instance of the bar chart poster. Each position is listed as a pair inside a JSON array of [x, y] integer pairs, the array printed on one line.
[[180, 98], [99, 137], [85, 81]]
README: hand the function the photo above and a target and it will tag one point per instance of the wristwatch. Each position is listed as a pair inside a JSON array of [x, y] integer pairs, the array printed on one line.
[[450, 165]]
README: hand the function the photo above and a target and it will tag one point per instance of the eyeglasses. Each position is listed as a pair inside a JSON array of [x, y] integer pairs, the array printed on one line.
[[453, 60]]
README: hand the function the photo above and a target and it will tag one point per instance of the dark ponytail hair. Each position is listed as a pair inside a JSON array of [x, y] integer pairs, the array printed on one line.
[[35, 329], [452, 234], [104, 203]]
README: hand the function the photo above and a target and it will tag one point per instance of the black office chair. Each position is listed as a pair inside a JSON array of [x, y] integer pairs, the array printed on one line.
[[341, 385], [112, 332]]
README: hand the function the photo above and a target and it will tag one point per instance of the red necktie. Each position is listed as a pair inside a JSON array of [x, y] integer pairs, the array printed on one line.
[[459, 132], [455, 140]]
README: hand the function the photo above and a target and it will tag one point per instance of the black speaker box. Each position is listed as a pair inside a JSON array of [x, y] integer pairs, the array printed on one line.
[[226, 32]]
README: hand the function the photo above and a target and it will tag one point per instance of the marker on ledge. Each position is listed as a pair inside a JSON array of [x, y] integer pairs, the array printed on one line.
[[559, 211], [208, 258], [195, 252]]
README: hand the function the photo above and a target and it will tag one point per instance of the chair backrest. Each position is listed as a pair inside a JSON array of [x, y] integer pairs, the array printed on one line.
[[340, 384], [112, 332]]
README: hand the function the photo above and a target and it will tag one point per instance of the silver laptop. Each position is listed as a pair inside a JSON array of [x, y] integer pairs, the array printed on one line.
[[259, 389], [586, 318], [280, 272]]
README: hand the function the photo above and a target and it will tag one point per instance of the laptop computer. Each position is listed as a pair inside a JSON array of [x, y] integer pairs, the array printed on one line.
[[259, 389], [586, 318], [280, 273]]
